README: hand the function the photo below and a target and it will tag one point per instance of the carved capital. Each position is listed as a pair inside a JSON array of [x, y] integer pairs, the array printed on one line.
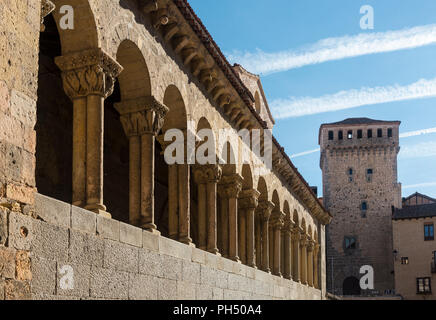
[[310, 246], [142, 116], [278, 220], [209, 173], [47, 7], [88, 72], [264, 210], [230, 186], [249, 199]]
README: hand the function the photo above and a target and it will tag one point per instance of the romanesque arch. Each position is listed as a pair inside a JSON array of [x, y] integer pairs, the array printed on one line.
[[257, 103]]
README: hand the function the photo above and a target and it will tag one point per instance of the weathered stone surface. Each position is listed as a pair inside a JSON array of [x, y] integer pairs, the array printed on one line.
[[143, 287], [53, 211], [80, 275], [23, 263], [185, 290], [217, 294], [207, 276], [85, 249], [106, 283], [23, 108], [2, 289], [21, 231], [3, 225], [174, 249], [43, 276], [83, 220], [167, 289], [191, 272], [20, 193], [7, 263], [131, 235], [17, 290], [108, 228], [120, 256], [171, 268], [50, 241], [150, 241], [203, 292], [150, 263]]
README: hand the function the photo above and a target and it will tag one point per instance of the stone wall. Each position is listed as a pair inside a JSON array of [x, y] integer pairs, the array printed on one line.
[[343, 198], [109, 259]]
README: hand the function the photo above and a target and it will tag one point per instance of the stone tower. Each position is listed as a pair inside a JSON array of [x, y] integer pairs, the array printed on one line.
[[360, 187]]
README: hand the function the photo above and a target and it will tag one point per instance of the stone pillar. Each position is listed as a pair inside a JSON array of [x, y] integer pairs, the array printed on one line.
[[242, 244], [258, 236], [295, 237], [142, 119], [310, 263], [288, 250], [207, 177], [230, 187], [88, 78], [184, 197], [277, 224], [316, 266], [264, 211], [248, 202], [303, 259]]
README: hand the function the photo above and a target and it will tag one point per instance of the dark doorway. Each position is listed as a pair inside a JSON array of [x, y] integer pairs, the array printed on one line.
[[351, 287]]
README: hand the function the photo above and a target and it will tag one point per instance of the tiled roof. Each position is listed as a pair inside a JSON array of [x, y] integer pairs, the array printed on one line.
[[415, 212], [356, 121]]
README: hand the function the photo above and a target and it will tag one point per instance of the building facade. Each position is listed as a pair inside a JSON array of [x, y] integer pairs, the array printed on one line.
[[415, 251], [90, 208], [359, 168]]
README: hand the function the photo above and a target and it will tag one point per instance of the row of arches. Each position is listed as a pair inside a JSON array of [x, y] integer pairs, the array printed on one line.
[[102, 118]]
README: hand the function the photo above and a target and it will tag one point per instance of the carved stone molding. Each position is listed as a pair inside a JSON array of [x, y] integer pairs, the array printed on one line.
[[208, 173], [230, 186], [88, 72], [264, 210], [249, 199], [47, 7], [278, 219], [142, 116]]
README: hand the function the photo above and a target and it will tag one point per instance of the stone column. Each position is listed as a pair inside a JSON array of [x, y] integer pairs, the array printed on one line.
[[277, 224], [184, 197], [295, 237], [287, 231], [248, 202], [303, 260], [88, 78], [258, 236], [265, 208], [230, 187], [142, 119], [310, 263], [242, 244], [207, 177], [316, 266]]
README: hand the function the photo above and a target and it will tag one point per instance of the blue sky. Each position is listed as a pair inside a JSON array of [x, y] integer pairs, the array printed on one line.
[[258, 34]]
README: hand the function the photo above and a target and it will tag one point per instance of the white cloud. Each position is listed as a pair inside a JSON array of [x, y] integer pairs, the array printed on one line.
[[336, 49], [297, 107], [420, 185], [417, 133], [419, 150], [305, 153]]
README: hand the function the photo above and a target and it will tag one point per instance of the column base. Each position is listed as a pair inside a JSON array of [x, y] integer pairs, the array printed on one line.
[[215, 252], [235, 259], [150, 227], [187, 241], [252, 266], [99, 212], [152, 231]]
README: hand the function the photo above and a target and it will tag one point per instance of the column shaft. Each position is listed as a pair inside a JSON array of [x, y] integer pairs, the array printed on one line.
[[251, 261], [147, 182], [184, 196], [233, 229], [288, 256], [212, 218], [258, 237], [94, 154], [79, 152], [265, 246], [202, 209], [134, 179], [277, 251], [242, 236], [173, 202], [296, 258]]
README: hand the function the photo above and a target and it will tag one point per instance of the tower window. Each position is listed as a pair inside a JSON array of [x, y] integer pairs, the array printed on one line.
[[341, 135], [369, 133], [359, 134], [350, 243], [369, 173], [390, 133], [364, 206], [331, 135], [404, 260], [350, 174], [379, 133], [350, 134], [429, 232]]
